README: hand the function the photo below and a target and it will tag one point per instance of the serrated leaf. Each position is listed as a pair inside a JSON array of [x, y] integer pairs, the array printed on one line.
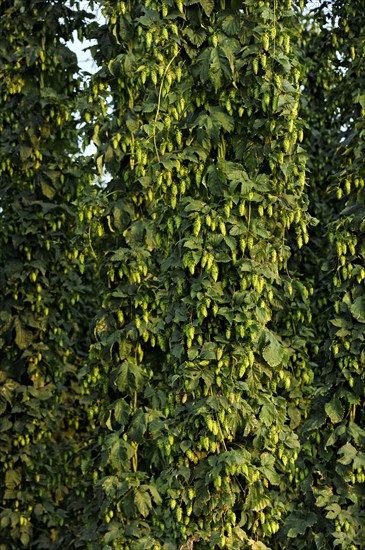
[[348, 453], [99, 164], [208, 377], [256, 500], [193, 244], [334, 510], [23, 337], [268, 470], [219, 68], [112, 533], [196, 35], [132, 122], [132, 529], [222, 119], [268, 413], [193, 352], [25, 152], [284, 62], [273, 353], [257, 545], [138, 426], [334, 410], [155, 494], [208, 6], [298, 522], [231, 25], [143, 502], [3, 405], [359, 460], [121, 412], [360, 98], [194, 205], [357, 309], [24, 538], [12, 479], [5, 321], [47, 190], [201, 67], [120, 453], [5, 424], [149, 107], [130, 376], [215, 180]]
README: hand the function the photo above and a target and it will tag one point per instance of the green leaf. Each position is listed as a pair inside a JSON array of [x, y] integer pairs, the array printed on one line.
[[268, 413], [121, 412], [196, 35], [24, 538], [231, 25], [112, 533], [219, 69], [99, 164], [193, 352], [3, 405], [222, 119], [208, 6], [360, 98], [201, 67], [120, 453], [215, 180], [359, 460], [193, 244], [334, 510], [138, 426], [257, 545], [194, 205], [155, 494], [348, 453], [273, 353], [143, 502], [47, 190], [149, 107], [298, 522], [256, 500], [130, 376], [358, 309], [268, 470], [284, 62], [132, 122], [25, 152], [5, 321], [334, 410]]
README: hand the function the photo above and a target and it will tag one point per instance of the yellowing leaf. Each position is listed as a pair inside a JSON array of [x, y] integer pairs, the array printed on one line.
[[23, 337], [12, 479]]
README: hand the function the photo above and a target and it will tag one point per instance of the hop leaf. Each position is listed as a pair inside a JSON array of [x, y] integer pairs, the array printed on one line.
[[273, 353]]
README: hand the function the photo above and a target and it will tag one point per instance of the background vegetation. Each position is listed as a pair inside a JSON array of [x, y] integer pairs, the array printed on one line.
[[182, 316]]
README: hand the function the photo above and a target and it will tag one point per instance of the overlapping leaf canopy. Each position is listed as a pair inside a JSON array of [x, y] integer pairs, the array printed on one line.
[[182, 347]]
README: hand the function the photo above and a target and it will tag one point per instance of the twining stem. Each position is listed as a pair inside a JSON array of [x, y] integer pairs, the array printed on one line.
[[159, 102]]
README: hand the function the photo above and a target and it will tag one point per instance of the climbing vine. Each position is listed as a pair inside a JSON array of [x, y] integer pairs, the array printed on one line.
[[202, 140], [181, 320], [46, 286]]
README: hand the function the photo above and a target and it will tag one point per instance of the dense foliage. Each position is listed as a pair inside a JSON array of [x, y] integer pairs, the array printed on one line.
[[47, 299], [182, 347]]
